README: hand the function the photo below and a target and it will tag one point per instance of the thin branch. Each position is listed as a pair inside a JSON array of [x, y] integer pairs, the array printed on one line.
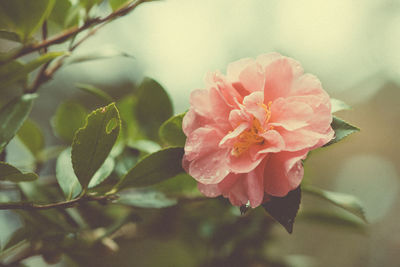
[[62, 204], [44, 34], [75, 30]]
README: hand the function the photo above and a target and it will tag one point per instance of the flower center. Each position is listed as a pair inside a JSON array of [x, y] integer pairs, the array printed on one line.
[[251, 136]]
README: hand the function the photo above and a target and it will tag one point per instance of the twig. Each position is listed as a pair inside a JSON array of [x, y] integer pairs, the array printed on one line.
[[46, 74], [62, 204], [75, 30]]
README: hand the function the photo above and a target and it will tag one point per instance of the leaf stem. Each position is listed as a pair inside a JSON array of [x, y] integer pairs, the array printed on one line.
[[63, 204]]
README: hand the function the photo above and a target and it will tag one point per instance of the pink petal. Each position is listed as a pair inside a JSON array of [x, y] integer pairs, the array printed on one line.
[[192, 121], [201, 141], [244, 162], [238, 116], [278, 80], [209, 190], [289, 114], [283, 172], [241, 188], [254, 182], [235, 68], [252, 78], [211, 168], [252, 104], [273, 142], [301, 139], [266, 59], [200, 102], [230, 138]]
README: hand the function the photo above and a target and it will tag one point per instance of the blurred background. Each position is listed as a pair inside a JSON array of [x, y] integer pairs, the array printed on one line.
[[352, 46]]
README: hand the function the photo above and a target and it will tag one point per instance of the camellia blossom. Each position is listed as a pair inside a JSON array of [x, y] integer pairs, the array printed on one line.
[[249, 130]]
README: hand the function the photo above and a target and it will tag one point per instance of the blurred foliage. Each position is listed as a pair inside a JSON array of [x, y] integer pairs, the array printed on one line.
[[114, 190]]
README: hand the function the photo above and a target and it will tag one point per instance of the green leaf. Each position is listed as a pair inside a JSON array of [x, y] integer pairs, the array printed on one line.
[[73, 16], [31, 136], [103, 172], [130, 125], [284, 209], [171, 132], [18, 236], [15, 71], [12, 116], [60, 11], [180, 185], [96, 92], [11, 36], [332, 219], [153, 107], [69, 117], [145, 146], [49, 153], [145, 198], [116, 4], [24, 16], [344, 201], [66, 177], [88, 4], [154, 168], [338, 105], [342, 129], [12, 174], [93, 142], [102, 53]]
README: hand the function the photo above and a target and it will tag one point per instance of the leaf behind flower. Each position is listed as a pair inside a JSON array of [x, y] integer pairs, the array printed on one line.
[[284, 209]]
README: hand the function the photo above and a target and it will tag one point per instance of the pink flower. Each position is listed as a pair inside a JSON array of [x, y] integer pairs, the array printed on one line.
[[248, 131]]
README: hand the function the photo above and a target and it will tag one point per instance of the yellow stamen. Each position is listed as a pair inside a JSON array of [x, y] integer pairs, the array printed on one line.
[[251, 136]]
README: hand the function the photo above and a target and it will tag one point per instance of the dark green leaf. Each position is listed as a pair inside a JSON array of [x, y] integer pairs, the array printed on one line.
[[69, 117], [93, 142], [11, 36], [338, 105], [153, 107], [96, 92], [13, 72], [144, 198], [344, 201], [154, 168], [66, 177], [12, 116], [31, 136], [284, 209], [12, 174], [342, 129], [171, 132], [24, 16]]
